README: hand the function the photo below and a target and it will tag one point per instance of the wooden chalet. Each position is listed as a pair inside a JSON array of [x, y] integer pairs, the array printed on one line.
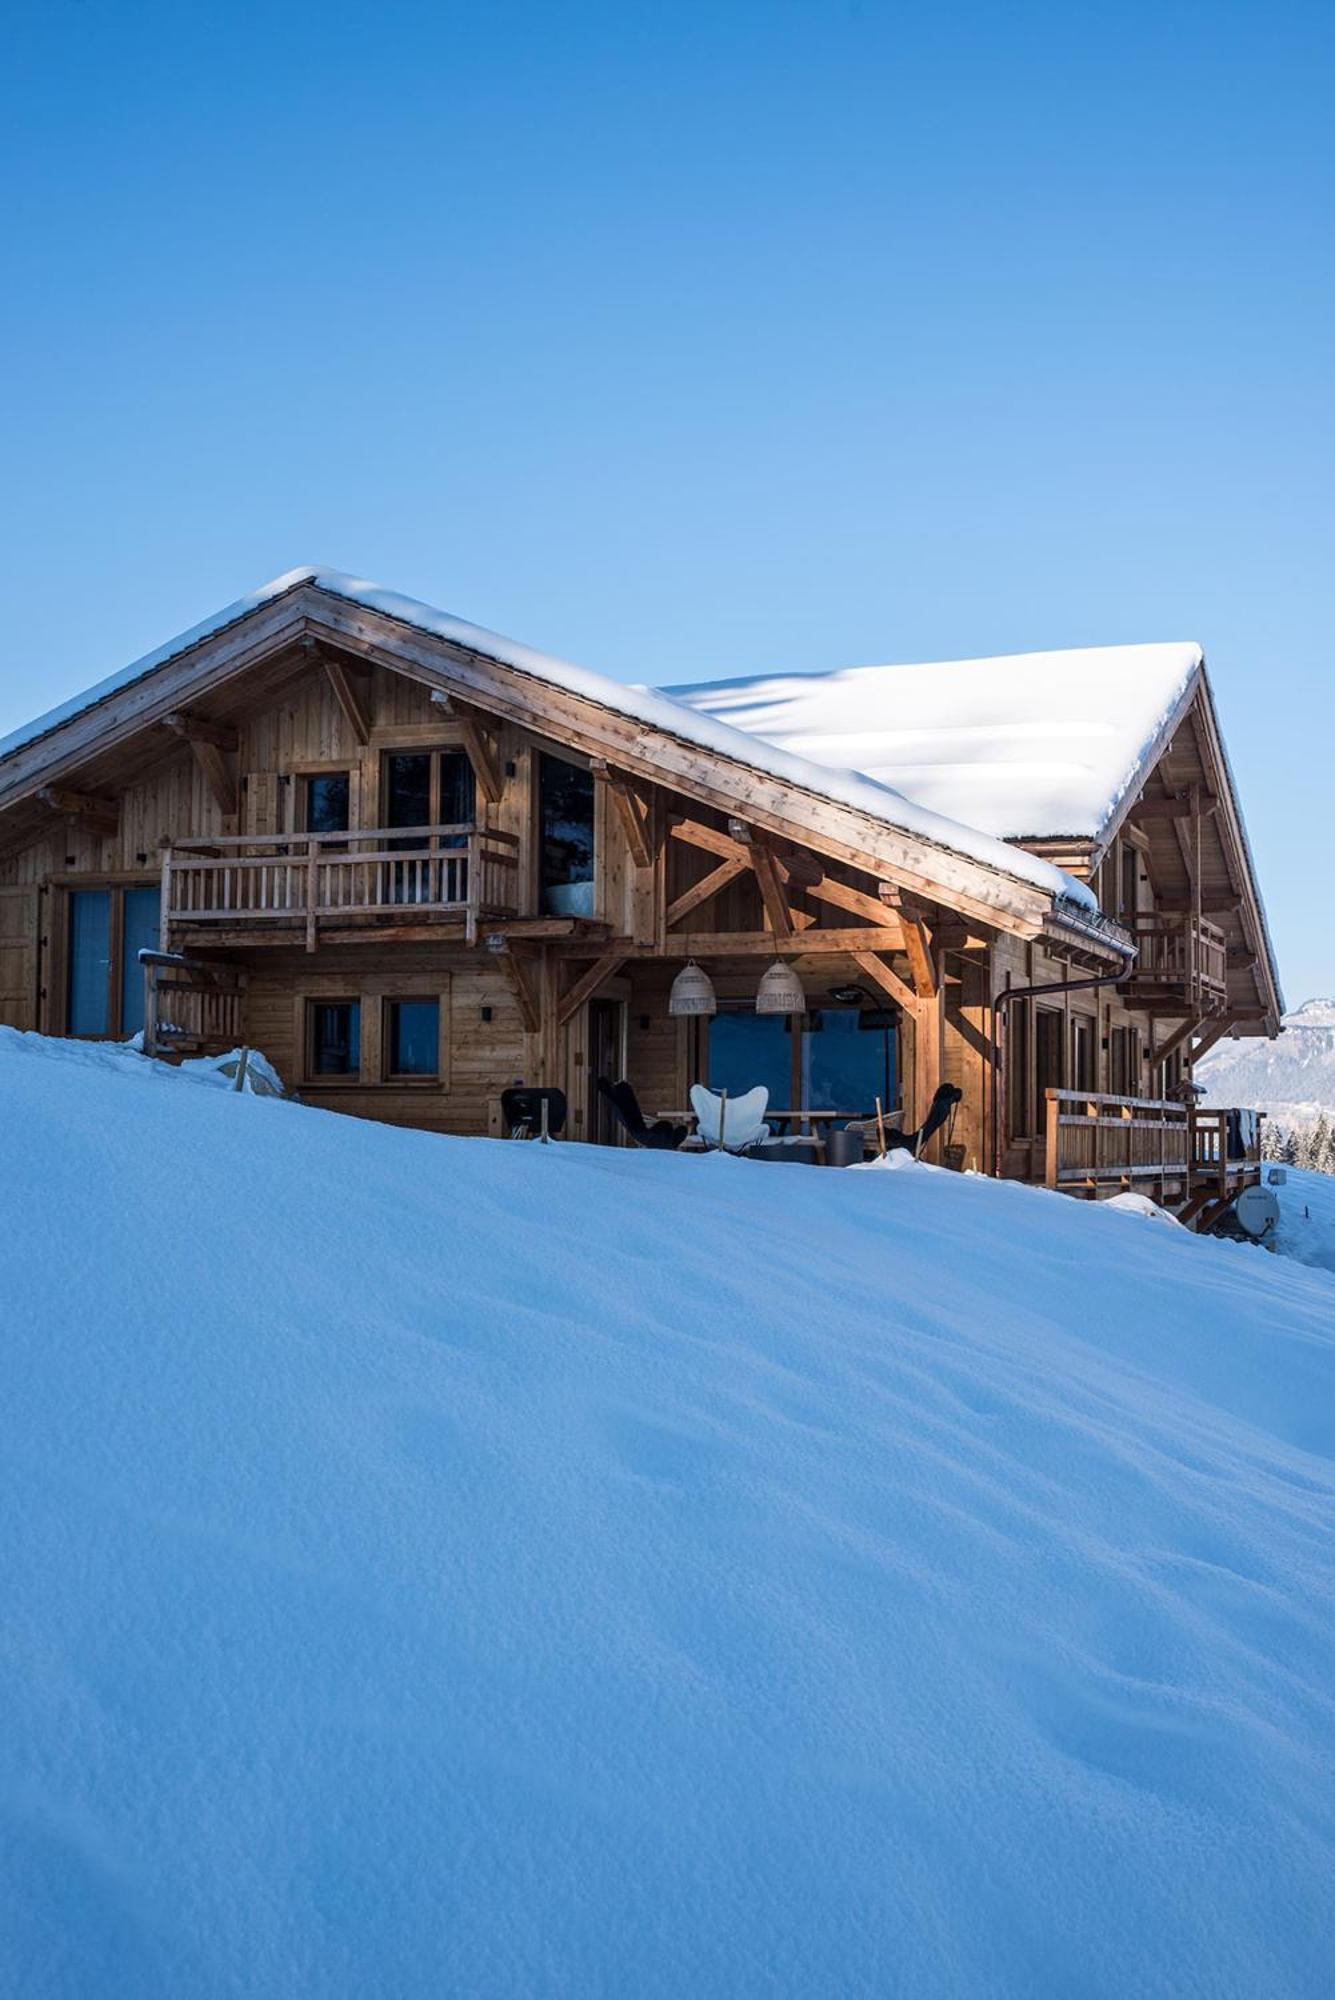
[[414, 863]]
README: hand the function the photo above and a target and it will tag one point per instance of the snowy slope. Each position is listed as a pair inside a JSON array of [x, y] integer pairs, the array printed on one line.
[[1024, 745], [438, 1567], [1307, 1218], [1291, 1078]]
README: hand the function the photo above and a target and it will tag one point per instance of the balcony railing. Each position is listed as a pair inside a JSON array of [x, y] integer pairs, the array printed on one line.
[[1094, 1140], [314, 881], [1187, 955], [189, 1006]]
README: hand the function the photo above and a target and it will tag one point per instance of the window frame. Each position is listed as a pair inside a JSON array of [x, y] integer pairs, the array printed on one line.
[[55, 947], [330, 1079], [436, 1079]]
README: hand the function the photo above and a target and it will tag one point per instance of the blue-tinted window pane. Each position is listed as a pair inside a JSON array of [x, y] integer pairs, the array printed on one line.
[[414, 1037], [335, 1037], [89, 992], [748, 1048], [141, 934], [327, 802], [565, 828], [846, 1066]]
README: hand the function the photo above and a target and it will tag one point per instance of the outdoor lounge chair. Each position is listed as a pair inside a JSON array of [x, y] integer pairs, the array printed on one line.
[[942, 1107], [660, 1137], [533, 1112], [730, 1124]]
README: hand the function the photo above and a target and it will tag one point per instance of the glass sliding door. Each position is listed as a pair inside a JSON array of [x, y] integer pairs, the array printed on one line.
[[427, 788], [746, 1048], [849, 1059]]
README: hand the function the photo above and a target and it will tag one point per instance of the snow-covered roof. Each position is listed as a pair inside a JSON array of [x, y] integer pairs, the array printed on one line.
[[694, 720], [1024, 746]]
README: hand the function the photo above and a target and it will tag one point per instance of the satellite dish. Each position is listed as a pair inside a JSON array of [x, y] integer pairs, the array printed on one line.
[[1257, 1210]]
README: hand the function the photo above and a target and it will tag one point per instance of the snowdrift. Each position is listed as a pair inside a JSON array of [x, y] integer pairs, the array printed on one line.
[[446, 1567]]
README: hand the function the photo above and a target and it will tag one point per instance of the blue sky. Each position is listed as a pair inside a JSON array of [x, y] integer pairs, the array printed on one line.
[[691, 340]]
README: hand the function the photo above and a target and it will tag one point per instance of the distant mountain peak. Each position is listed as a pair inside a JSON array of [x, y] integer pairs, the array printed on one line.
[[1312, 1014]]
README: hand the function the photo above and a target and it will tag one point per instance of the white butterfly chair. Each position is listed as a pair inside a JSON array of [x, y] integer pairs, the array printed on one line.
[[730, 1124]]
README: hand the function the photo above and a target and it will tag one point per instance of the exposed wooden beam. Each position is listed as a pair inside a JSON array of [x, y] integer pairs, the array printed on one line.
[[351, 694], [1176, 807], [777, 913], [1182, 906], [96, 814], [744, 944], [856, 901], [587, 985], [478, 744], [199, 729], [888, 980], [518, 970], [1178, 1039], [632, 810], [696, 834], [1214, 1033], [709, 886], [918, 943]]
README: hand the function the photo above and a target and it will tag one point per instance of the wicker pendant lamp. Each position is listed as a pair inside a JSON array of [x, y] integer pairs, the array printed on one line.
[[780, 991], [692, 992]]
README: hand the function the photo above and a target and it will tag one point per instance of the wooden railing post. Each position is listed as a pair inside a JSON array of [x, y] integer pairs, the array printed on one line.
[[1053, 1139], [312, 891], [165, 898]]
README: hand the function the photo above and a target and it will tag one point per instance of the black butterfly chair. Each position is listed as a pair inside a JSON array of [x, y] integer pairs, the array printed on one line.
[[660, 1137], [522, 1110], [942, 1108]]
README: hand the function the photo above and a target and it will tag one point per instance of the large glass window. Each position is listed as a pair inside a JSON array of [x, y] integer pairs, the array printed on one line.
[[746, 1048], [333, 1037], [412, 1038], [565, 839], [849, 1059], [104, 985]]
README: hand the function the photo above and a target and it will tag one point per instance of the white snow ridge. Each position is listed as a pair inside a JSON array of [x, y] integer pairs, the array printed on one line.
[[438, 1567]]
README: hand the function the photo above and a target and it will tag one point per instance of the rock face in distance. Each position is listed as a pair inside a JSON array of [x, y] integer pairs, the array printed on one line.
[[1292, 1079]]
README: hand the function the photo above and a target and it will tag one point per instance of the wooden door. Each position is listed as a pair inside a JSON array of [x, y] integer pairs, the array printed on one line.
[[18, 958]]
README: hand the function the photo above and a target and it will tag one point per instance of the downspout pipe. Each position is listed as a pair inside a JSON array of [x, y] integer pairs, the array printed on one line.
[[1001, 1002]]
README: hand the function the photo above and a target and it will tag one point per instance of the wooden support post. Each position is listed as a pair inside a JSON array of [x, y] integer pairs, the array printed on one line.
[[632, 810], [887, 979], [517, 968], [312, 891], [351, 691], [475, 734]]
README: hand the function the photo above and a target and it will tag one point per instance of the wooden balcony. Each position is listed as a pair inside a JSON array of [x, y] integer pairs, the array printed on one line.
[[297, 887], [191, 1008], [1197, 1160], [1181, 958], [1097, 1143]]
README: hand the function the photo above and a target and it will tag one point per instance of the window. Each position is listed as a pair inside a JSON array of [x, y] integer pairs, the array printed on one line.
[[1124, 1062], [327, 796], [428, 788], [104, 986], [412, 1038], [1082, 1052], [565, 839], [746, 1048], [849, 1059], [1019, 1103], [1049, 1074], [1129, 898], [833, 1059], [333, 1037]]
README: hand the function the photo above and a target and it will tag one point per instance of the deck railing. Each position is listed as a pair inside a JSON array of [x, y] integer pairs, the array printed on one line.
[[316, 879], [1225, 1143], [190, 1006], [1094, 1139], [1188, 954]]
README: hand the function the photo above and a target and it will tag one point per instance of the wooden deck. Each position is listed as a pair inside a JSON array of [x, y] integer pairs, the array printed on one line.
[[308, 884]]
